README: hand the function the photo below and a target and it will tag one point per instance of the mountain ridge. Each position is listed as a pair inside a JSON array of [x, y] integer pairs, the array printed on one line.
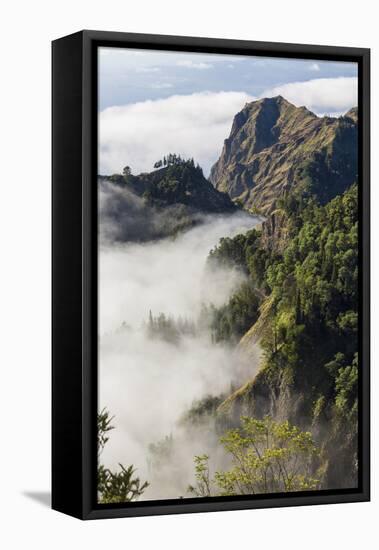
[[181, 182], [158, 204], [300, 171], [275, 148]]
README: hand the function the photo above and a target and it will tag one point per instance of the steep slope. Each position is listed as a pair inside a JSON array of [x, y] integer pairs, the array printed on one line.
[[300, 170], [275, 148], [307, 326]]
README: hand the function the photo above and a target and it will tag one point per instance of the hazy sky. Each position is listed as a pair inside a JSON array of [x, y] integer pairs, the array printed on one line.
[[155, 102]]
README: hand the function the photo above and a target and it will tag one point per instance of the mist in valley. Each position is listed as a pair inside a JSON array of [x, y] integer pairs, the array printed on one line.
[[148, 381]]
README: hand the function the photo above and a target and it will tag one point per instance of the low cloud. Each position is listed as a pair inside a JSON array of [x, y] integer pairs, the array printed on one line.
[[320, 95], [148, 383], [196, 125], [192, 125]]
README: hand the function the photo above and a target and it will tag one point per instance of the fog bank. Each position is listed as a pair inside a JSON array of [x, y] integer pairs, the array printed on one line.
[[147, 384]]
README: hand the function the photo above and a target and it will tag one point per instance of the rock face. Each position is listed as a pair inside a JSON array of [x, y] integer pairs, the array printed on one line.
[[276, 156], [275, 148], [353, 114]]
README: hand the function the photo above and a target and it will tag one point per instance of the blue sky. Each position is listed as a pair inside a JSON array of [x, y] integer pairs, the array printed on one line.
[[155, 102], [127, 76]]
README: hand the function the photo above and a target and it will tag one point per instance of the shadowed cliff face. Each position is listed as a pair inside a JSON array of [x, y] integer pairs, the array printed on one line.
[[275, 148]]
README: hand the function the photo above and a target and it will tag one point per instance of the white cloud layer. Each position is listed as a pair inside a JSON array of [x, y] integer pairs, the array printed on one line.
[[320, 95], [149, 383], [196, 125], [192, 125]]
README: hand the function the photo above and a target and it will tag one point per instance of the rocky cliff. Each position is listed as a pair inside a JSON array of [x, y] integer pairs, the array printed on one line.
[[300, 171], [275, 148]]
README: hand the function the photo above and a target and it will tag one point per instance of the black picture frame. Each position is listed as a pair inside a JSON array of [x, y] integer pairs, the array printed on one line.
[[74, 272]]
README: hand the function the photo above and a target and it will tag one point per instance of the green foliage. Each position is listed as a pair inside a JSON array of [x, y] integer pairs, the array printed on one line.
[[201, 410], [173, 159], [266, 457], [245, 253], [103, 427], [175, 180], [235, 252], [318, 407], [316, 283], [315, 289], [304, 299], [347, 390], [232, 320], [179, 181], [119, 486], [202, 476]]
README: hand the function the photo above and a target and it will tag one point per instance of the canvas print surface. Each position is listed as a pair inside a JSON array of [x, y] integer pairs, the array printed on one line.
[[228, 275]]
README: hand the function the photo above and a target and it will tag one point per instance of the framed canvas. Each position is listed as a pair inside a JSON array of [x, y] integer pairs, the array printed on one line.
[[210, 275]]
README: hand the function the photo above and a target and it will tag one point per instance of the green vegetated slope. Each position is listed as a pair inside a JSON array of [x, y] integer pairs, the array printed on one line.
[[275, 147], [307, 327], [172, 198], [302, 268], [178, 182]]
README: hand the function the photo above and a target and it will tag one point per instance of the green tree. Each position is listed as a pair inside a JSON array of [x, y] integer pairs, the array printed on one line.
[[203, 487], [232, 320], [114, 486], [266, 457]]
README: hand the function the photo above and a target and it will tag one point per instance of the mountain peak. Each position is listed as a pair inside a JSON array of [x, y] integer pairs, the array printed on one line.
[[260, 124], [274, 146], [282, 104], [268, 102], [279, 99], [352, 114]]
